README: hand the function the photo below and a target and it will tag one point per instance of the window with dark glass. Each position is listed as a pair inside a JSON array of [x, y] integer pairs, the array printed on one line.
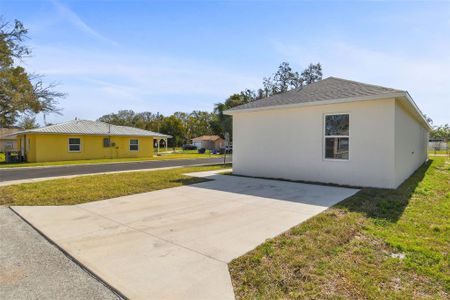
[[74, 145], [134, 145], [337, 136], [106, 142]]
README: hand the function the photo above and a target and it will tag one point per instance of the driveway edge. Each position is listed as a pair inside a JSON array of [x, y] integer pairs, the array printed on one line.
[[69, 256]]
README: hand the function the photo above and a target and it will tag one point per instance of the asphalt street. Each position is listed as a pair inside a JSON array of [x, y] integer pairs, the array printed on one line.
[[55, 171]]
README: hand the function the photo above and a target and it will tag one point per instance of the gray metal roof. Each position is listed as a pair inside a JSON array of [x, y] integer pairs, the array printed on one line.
[[331, 88], [86, 127]]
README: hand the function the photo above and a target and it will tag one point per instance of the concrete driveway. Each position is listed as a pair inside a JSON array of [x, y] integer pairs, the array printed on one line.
[[176, 243]]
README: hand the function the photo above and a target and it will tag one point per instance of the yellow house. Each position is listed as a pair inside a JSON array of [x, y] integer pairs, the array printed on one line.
[[83, 139]]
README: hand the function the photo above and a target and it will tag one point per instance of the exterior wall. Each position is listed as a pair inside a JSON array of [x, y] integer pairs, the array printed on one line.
[[8, 142], [210, 144], [200, 144], [289, 144], [220, 143], [53, 147], [8, 145], [411, 140]]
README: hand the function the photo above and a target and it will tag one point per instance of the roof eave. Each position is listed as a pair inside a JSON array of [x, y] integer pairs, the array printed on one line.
[[315, 103], [401, 94], [96, 134], [411, 102]]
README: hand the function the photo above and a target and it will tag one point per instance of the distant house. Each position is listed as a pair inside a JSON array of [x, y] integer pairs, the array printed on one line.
[[83, 139], [332, 131], [437, 144], [8, 140], [210, 142]]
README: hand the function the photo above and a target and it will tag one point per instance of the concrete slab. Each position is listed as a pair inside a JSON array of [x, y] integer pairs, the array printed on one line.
[[176, 243]]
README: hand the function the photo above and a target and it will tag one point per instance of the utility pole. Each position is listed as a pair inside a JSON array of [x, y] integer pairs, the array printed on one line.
[[227, 142]]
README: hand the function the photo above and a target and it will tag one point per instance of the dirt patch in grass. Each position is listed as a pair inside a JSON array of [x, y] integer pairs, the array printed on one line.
[[378, 243]]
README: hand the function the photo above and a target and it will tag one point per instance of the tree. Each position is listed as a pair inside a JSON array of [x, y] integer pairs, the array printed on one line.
[[286, 79], [312, 73], [199, 123], [173, 126], [20, 92], [28, 122], [224, 122], [149, 121], [441, 132]]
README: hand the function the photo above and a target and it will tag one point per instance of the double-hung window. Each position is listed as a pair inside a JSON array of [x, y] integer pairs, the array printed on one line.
[[337, 139], [106, 142], [134, 145], [74, 144]]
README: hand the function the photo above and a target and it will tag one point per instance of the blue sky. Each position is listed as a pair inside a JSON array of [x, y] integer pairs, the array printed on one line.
[[167, 56]]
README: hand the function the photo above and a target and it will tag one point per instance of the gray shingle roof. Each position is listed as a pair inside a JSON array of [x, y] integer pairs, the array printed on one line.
[[86, 127], [331, 88]]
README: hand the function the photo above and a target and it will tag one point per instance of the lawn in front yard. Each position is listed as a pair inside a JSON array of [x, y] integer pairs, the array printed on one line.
[[377, 244], [434, 152], [165, 156], [97, 187]]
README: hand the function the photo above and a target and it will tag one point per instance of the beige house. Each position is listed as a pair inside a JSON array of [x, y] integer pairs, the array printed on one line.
[[332, 131], [209, 142], [8, 141]]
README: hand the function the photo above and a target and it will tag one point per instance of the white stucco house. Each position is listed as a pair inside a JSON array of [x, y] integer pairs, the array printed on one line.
[[332, 131]]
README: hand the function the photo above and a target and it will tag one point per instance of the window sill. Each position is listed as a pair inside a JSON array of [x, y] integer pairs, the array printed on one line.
[[335, 159]]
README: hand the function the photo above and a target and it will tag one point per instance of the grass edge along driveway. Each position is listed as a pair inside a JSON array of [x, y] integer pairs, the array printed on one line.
[[377, 244], [90, 188]]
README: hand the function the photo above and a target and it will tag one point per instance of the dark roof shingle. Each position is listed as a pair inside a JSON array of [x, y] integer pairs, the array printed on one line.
[[330, 88]]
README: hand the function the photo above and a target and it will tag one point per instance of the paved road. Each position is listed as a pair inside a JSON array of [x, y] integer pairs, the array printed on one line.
[[32, 268], [42, 172]]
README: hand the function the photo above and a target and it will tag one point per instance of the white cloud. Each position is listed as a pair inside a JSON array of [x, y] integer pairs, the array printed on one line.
[[99, 82], [69, 15], [144, 75]]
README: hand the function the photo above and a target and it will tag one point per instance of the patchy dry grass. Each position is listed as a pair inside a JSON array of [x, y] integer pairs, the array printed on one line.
[[377, 244], [97, 187]]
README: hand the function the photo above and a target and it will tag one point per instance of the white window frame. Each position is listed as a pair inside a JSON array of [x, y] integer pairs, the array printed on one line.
[[129, 145], [335, 136], [68, 144]]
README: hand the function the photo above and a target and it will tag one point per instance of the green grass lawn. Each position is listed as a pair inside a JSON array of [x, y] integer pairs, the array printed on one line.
[[97, 187], [165, 156], [377, 244], [431, 152]]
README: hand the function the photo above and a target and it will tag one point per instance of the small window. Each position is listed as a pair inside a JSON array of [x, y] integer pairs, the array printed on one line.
[[134, 145], [337, 137], [74, 145], [106, 142]]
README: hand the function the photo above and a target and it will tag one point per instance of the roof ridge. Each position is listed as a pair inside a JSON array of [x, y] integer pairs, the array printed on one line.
[[359, 82]]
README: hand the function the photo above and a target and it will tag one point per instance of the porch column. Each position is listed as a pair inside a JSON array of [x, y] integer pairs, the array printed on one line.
[[159, 140], [165, 143]]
